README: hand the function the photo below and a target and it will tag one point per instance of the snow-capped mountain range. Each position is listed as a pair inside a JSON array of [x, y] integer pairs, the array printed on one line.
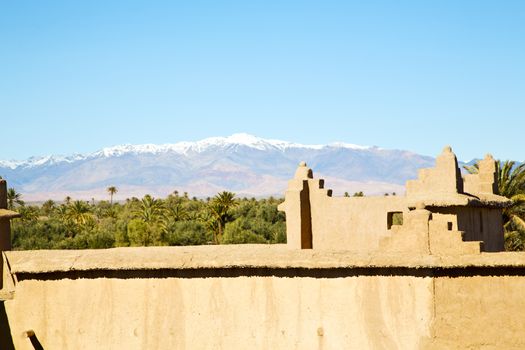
[[242, 163], [183, 148]]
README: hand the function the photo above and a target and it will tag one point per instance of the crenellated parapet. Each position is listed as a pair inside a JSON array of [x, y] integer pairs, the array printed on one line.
[[297, 209], [486, 180], [441, 213], [444, 178], [444, 186], [302, 190]]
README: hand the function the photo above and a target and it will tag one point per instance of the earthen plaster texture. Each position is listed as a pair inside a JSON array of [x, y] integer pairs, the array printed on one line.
[[440, 216], [262, 297]]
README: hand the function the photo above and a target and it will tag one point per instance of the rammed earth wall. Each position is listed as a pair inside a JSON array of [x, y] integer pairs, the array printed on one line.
[[262, 297]]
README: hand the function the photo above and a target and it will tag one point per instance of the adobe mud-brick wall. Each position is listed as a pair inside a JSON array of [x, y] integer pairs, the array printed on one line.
[[460, 215], [260, 297]]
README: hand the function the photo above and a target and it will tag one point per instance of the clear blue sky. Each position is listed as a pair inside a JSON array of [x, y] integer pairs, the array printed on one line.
[[76, 76]]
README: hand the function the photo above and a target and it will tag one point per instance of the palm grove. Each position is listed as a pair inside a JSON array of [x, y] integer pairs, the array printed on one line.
[[179, 220], [175, 220]]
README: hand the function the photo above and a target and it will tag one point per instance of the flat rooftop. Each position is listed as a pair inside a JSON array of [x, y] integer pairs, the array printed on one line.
[[255, 256]]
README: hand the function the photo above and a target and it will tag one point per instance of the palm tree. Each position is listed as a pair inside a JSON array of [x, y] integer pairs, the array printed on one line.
[[48, 207], [149, 212], [61, 213], [68, 200], [79, 212], [111, 190], [173, 214], [151, 209], [207, 218], [511, 184], [28, 214], [177, 212], [13, 197], [220, 207]]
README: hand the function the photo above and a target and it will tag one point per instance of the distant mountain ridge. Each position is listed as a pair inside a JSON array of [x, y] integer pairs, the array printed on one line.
[[242, 163], [184, 147]]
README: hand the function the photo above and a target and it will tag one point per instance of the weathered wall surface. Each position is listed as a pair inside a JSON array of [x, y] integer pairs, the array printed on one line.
[[223, 313], [263, 297], [356, 223], [364, 224], [478, 224], [479, 312]]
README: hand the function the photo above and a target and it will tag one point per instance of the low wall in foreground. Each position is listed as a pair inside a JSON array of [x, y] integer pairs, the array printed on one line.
[[260, 297]]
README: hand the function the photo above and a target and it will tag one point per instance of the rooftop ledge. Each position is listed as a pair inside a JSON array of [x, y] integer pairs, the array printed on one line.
[[8, 214], [239, 256]]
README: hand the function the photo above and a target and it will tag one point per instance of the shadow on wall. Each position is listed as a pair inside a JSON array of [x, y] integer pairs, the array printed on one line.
[[6, 342], [34, 340]]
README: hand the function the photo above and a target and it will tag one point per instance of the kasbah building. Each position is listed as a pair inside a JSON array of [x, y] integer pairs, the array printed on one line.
[[425, 270]]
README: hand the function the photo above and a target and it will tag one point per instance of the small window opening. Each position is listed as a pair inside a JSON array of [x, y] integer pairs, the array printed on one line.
[[449, 226], [394, 218]]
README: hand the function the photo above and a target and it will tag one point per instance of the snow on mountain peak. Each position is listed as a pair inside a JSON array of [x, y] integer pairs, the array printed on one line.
[[11, 164], [243, 138], [184, 148], [348, 145], [40, 161]]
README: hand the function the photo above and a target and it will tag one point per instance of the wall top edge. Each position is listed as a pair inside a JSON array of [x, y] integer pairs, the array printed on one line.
[[240, 256]]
